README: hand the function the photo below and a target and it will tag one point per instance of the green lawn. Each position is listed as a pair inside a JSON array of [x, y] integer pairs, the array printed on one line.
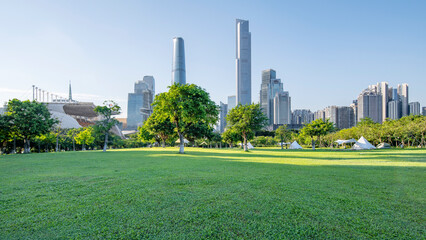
[[212, 193]]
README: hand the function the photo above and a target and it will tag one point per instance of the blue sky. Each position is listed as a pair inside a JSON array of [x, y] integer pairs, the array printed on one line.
[[325, 52]]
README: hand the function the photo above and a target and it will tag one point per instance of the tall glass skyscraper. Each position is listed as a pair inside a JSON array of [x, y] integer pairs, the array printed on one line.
[[178, 65], [243, 62], [139, 102]]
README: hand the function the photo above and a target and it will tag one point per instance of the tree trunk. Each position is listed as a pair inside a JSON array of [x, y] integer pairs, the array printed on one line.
[[106, 142], [83, 148], [313, 144], [245, 144], [181, 144], [26, 145], [73, 144], [282, 142], [57, 144], [163, 144], [14, 145]]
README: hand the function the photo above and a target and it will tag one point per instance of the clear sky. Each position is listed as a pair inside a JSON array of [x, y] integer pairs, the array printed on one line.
[[325, 52]]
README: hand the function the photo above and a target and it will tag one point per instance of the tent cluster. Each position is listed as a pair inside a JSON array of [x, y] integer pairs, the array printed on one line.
[[362, 144]]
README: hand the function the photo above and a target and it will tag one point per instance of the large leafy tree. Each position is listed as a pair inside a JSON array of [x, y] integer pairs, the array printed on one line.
[[245, 120], [155, 127], [230, 136], [283, 133], [107, 111], [317, 128], [85, 137], [5, 130], [29, 119], [185, 105]]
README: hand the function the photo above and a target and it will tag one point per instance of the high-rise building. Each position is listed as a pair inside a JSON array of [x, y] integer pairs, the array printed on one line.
[[269, 88], [178, 65], [243, 62], [330, 113], [139, 102], [414, 108], [382, 88], [302, 116], [232, 102], [282, 108], [424, 111], [403, 96], [370, 105], [394, 109], [345, 117], [320, 114], [222, 116]]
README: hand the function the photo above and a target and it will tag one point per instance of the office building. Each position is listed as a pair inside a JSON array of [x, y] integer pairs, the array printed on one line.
[[370, 105], [139, 102], [382, 88], [414, 108], [345, 117], [394, 109], [424, 111], [243, 62], [302, 116], [282, 108], [178, 65], [403, 96], [232, 102], [223, 111]]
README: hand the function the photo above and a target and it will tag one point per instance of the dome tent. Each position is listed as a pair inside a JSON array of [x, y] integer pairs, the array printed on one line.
[[363, 144], [295, 145]]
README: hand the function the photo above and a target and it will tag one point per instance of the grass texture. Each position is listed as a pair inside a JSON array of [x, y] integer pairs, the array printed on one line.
[[214, 193]]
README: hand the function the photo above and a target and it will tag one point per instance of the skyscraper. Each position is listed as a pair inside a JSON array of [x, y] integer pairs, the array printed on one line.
[[383, 89], [222, 116], [282, 108], [370, 105], [243, 62], [178, 65], [414, 108], [232, 102], [403, 96], [139, 102]]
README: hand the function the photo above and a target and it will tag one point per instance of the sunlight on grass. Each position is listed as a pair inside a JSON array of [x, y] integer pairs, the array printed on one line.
[[391, 158]]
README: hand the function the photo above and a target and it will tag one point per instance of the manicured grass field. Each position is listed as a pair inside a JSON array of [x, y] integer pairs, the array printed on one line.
[[212, 193]]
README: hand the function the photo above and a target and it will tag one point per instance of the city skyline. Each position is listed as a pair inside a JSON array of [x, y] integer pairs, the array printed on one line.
[[317, 49]]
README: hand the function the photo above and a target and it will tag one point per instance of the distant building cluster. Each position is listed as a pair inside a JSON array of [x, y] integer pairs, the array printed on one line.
[[139, 102], [377, 102]]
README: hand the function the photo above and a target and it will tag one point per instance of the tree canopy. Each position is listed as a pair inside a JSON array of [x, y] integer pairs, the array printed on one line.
[[185, 106], [283, 133], [245, 120], [29, 120], [109, 109], [317, 128]]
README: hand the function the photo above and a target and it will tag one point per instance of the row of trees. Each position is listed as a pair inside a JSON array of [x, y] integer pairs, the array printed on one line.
[[31, 122]]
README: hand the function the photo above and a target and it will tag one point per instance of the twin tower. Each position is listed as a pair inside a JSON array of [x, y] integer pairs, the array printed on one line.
[[243, 62]]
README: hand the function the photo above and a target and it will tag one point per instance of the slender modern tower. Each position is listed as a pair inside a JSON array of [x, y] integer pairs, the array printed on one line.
[[178, 66], [243, 62], [70, 93]]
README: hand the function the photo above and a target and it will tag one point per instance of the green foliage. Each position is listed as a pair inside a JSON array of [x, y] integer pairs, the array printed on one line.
[[189, 108], [156, 129], [262, 141], [245, 120], [283, 133], [109, 109], [231, 136], [317, 128], [214, 194], [29, 120], [85, 137]]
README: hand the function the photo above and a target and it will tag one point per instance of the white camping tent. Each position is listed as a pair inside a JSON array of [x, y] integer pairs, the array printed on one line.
[[383, 145], [184, 141], [249, 146], [340, 142], [295, 145], [362, 144]]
